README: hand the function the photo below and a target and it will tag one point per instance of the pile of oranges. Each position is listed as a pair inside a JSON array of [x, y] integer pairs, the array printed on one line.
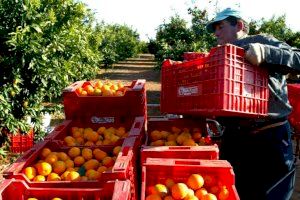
[[179, 137], [77, 164], [196, 187], [98, 88], [89, 137]]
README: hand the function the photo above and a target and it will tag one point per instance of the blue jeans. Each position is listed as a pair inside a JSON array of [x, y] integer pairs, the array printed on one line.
[[260, 161]]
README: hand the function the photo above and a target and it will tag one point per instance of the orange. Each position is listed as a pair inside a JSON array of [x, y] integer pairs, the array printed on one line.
[[164, 134], [116, 150], [59, 167], [77, 134], [161, 190], [153, 197], [30, 172], [45, 152], [101, 169], [170, 143], [171, 137], [51, 158], [84, 93], [197, 136], [108, 161], [99, 154], [210, 196], [155, 135], [168, 198], [195, 181], [64, 175], [89, 144], [69, 163], [32, 198], [62, 156], [200, 193], [223, 194], [87, 153], [169, 183], [179, 190], [39, 178], [69, 139], [101, 129], [87, 131], [98, 143], [189, 142], [73, 176], [92, 136], [44, 168], [53, 177], [120, 131], [175, 130], [79, 160], [79, 140], [191, 198], [190, 194], [73, 152], [89, 89], [92, 174], [56, 198], [91, 164]]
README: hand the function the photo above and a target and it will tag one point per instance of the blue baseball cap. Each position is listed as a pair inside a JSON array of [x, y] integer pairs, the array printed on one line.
[[221, 16]]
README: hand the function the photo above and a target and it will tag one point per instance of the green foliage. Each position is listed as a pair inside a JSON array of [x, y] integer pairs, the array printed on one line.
[[175, 38], [45, 45], [277, 27], [118, 42]]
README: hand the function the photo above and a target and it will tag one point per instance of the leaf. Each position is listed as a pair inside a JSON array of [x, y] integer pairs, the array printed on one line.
[[37, 28]]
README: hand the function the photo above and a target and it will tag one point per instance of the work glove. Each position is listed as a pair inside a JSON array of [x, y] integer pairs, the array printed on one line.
[[255, 53]]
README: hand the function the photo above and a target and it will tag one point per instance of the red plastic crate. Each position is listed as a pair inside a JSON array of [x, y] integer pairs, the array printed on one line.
[[191, 152], [220, 84], [20, 143], [134, 126], [12, 189], [294, 96], [193, 55], [180, 169], [133, 103]]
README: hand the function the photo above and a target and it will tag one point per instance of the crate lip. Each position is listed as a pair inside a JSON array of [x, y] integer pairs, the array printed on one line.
[[136, 85]]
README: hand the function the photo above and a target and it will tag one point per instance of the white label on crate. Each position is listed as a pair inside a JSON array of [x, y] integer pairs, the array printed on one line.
[[102, 120], [188, 91]]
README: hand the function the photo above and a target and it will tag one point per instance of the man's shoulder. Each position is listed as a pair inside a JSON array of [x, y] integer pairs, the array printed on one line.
[[259, 38]]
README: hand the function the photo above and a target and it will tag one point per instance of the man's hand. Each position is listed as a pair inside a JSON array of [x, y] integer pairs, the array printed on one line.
[[255, 54]]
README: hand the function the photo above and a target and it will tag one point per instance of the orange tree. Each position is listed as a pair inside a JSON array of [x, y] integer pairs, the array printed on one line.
[[45, 45]]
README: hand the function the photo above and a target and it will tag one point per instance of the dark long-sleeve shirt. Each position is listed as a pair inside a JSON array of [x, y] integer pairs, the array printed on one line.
[[280, 59]]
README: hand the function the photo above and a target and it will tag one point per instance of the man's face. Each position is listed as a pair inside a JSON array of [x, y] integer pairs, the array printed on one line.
[[225, 32]]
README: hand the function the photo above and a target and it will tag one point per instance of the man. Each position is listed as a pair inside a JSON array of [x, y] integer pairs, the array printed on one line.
[[260, 150]]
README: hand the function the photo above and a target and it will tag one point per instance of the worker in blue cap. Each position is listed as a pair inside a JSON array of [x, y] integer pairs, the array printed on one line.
[[260, 150]]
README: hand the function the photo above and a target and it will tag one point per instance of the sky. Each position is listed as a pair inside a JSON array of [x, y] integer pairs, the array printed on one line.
[[145, 16]]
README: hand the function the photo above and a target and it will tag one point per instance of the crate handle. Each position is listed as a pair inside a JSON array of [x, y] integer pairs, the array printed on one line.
[[139, 85], [187, 162], [73, 86], [179, 147], [137, 126]]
